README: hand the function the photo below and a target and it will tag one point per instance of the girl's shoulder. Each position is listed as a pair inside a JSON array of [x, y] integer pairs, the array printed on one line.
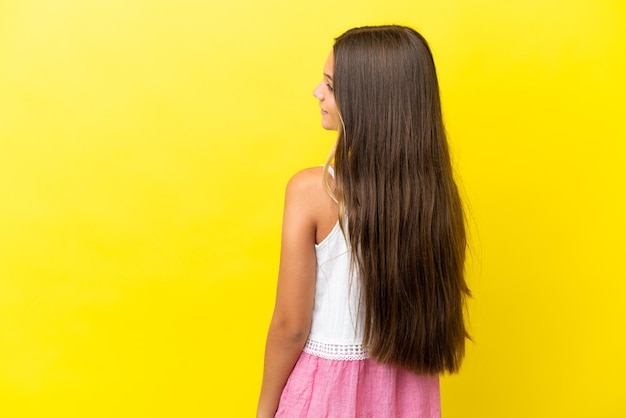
[[308, 174], [307, 190], [307, 181]]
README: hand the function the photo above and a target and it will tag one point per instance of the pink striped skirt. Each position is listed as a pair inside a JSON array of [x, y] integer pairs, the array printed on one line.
[[325, 388]]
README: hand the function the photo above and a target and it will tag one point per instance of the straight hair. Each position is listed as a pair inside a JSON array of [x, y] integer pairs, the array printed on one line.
[[399, 206]]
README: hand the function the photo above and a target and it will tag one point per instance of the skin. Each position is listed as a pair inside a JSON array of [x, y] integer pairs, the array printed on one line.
[[324, 93], [309, 216]]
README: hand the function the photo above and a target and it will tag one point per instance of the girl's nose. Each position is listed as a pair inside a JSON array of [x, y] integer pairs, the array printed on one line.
[[318, 93]]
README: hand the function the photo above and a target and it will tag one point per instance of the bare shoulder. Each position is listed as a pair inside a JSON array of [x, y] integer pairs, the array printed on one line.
[[308, 186], [308, 178], [306, 190]]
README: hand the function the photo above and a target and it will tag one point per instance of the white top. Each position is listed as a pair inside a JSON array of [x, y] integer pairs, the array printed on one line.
[[336, 327]]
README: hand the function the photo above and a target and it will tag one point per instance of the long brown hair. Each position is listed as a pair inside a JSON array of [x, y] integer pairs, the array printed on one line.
[[395, 187]]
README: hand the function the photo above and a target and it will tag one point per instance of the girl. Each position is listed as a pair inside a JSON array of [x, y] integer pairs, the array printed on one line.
[[369, 305]]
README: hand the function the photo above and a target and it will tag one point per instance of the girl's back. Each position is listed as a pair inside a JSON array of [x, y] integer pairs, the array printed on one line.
[[334, 377]]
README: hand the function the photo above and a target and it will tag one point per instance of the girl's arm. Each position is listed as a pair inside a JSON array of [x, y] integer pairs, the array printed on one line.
[[291, 320]]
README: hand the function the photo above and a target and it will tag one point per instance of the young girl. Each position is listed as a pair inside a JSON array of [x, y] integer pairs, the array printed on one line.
[[369, 306]]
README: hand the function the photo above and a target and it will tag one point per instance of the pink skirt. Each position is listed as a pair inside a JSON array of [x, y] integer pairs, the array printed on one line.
[[325, 388]]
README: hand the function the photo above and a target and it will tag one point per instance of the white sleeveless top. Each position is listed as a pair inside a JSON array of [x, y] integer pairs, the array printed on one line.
[[336, 327]]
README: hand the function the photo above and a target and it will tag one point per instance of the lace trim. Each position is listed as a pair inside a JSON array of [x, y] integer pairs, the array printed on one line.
[[335, 351]]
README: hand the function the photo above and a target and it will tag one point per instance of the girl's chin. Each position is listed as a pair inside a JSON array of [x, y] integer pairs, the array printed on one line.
[[329, 126]]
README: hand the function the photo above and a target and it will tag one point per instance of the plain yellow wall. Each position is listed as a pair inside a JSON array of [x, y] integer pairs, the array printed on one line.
[[144, 150]]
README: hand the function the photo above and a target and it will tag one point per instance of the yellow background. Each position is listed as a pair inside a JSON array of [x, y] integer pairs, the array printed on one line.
[[144, 150]]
